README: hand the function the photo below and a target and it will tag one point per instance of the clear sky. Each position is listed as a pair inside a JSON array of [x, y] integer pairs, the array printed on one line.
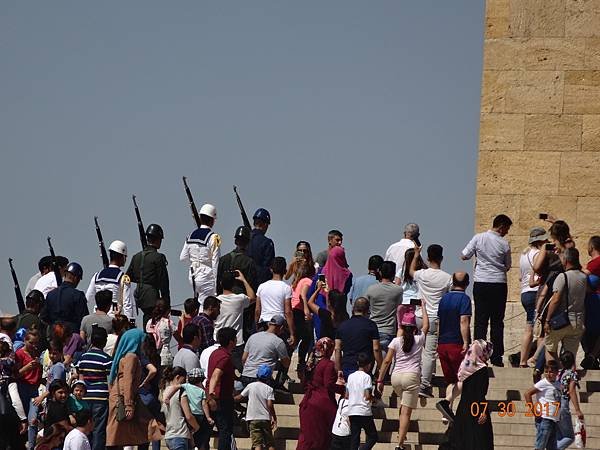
[[355, 115]]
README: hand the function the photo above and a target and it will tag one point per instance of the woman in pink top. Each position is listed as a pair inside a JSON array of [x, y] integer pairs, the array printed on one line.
[[406, 375], [302, 316]]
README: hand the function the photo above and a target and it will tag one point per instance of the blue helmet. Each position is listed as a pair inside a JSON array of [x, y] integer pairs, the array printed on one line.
[[75, 269], [262, 214]]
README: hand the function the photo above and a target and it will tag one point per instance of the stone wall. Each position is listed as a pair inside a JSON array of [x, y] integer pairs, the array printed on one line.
[[539, 148]]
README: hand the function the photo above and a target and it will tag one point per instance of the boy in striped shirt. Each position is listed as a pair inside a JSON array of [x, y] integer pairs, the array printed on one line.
[[93, 368]]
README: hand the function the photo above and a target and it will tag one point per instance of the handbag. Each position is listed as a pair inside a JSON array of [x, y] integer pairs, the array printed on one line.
[[561, 320]]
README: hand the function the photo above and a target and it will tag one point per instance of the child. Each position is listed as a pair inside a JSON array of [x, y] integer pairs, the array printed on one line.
[[191, 307], [341, 426], [77, 437], [359, 392], [76, 403], [198, 405], [548, 398], [178, 414], [261, 411], [161, 327], [56, 422]]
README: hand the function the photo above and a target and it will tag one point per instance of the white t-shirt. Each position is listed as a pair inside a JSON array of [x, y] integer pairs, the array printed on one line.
[[204, 357], [358, 383], [396, 253], [526, 266], [549, 393], [258, 393], [46, 283], [493, 257], [232, 312], [76, 440], [341, 425], [273, 294], [433, 284]]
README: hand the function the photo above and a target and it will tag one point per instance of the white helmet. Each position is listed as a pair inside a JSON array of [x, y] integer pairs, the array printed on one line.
[[118, 247], [209, 210]]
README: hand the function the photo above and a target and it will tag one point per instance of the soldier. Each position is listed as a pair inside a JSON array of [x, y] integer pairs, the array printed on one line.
[[261, 248], [148, 269], [66, 303], [115, 280], [202, 249], [237, 259]]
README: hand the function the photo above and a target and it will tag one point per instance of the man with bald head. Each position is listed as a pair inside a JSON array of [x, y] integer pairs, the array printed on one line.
[[356, 335], [454, 315]]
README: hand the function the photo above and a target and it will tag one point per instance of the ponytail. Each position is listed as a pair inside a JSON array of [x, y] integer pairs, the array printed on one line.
[[408, 338]]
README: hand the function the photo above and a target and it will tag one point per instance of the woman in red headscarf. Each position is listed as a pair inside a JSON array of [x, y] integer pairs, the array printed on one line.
[[318, 407], [337, 277]]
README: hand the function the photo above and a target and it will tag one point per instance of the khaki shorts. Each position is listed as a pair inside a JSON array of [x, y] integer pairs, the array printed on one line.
[[261, 433], [569, 336], [406, 386]]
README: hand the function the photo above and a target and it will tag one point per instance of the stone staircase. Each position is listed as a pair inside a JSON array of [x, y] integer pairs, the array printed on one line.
[[426, 429]]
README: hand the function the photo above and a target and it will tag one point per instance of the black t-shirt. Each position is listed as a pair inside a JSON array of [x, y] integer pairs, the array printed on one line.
[[357, 335], [327, 328]]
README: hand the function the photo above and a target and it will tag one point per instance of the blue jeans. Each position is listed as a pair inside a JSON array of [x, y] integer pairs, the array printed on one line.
[[224, 421], [565, 435], [97, 437], [545, 436], [384, 341], [33, 421], [177, 443], [528, 302]]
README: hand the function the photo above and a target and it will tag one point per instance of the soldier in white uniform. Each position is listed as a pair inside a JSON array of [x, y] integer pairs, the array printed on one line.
[[202, 249], [115, 280]]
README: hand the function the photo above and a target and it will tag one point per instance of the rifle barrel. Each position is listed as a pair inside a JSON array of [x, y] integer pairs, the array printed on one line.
[[195, 214], [18, 293], [141, 230], [103, 255], [245, 219]]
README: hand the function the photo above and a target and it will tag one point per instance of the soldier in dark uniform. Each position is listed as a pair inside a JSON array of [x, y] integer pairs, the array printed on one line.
[[261, 248], [237, 259], [66, 303], [148, 269]]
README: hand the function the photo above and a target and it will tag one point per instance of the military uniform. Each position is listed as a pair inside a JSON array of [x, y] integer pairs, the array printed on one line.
[[115, 280], [262, 250], [148, 269], [66, 304], [202, 249]]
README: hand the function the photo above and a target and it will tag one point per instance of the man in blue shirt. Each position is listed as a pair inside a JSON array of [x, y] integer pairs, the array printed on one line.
[[454, 315], [360, 284]]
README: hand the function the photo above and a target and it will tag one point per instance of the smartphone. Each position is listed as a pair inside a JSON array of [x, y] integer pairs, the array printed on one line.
[[321, 278], [415, 301], [543, 216], [115, 306], [417, 241], [550, 247], [176, 312]]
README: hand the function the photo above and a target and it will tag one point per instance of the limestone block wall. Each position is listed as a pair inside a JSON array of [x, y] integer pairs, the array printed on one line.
[[539, 148]]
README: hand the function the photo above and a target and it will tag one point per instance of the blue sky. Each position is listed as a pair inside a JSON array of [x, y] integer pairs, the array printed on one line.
[[354, 115]]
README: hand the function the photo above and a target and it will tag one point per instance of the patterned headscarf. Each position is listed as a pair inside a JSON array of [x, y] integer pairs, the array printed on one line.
[[476, 358], [130, 342], [323, 350]]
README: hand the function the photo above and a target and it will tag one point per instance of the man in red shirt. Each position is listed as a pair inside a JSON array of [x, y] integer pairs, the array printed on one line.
[[221, 375], [591, 338]]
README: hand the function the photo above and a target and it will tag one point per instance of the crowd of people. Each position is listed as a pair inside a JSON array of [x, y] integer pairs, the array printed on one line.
[[78, 380]]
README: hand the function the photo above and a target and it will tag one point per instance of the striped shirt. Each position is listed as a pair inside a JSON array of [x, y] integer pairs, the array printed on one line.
[[94, 368]]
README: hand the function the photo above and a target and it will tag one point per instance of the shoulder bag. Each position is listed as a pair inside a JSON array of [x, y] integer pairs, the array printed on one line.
[[561, 320]]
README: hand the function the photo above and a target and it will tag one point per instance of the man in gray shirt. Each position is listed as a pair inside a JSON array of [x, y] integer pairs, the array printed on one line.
[[187, 356], [99, 317], [265, 347], [384, 298], [569, 291]]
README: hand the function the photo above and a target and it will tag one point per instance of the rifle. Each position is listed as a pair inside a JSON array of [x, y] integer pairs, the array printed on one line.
[[140, 224], [54, 264], [242, 210], [18, 293], [195, 214], [103, 254]]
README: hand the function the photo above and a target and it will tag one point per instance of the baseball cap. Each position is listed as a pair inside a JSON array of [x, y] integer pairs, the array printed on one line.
[[537, 234], [196, 372], [409, 319], [264, 371], [277, 320]]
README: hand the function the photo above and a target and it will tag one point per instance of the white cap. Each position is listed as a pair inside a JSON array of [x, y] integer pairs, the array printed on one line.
[[209, 210], [118, 247]]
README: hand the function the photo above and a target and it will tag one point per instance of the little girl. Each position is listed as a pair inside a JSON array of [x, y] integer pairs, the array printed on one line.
[[178, 413], [162, 328], [56, 416]]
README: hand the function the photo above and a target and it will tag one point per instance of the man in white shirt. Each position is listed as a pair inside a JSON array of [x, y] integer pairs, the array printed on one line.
[[396, 251], [433, 283], [44, 266], [274, 298], [47, 282], [490, 290]]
